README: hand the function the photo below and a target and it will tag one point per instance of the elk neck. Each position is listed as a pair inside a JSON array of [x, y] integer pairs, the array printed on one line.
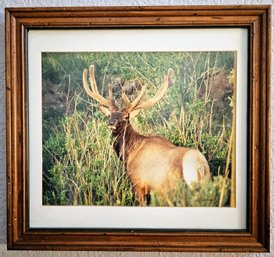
[[126, 141]]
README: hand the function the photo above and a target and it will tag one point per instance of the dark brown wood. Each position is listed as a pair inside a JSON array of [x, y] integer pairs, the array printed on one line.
[[257, 235]]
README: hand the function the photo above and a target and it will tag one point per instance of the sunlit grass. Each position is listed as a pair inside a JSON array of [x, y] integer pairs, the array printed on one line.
[[80, 166]]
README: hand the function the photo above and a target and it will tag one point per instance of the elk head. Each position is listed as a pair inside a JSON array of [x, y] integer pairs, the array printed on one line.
[[117, 117]]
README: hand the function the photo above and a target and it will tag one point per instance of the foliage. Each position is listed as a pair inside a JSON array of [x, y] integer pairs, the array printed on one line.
[[80, 166], [199, 195], [76, 177]]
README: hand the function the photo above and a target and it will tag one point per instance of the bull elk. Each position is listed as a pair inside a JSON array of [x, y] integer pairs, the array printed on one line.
[[152, 162]]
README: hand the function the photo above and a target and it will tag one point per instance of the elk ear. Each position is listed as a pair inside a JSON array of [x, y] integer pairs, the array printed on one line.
[[134, 113], [104, 110]]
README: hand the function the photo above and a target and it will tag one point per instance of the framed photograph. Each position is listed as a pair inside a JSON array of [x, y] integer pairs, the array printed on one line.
[[138, 128]]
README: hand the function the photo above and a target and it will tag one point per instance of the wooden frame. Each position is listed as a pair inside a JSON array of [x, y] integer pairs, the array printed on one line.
[[257, 235]]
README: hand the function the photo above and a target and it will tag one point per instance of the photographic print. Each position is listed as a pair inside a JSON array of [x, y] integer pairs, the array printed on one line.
[[139, 128]]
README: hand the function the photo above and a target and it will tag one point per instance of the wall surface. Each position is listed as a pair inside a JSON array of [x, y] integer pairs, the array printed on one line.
[[43, 3]]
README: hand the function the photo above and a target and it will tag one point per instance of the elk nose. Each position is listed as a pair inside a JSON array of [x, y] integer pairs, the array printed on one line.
[[112, 122]]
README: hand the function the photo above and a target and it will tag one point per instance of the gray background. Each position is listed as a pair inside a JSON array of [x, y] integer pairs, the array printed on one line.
[[36, 3]]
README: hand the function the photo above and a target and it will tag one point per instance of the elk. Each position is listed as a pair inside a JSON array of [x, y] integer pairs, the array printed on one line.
[[153, 163]]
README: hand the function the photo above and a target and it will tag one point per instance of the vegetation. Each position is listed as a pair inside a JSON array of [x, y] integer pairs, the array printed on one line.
[[80, 166]]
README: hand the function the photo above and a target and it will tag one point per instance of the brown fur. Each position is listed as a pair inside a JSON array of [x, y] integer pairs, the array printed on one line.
[[152, 162]]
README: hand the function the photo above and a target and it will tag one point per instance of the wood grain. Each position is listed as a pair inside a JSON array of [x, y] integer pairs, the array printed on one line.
[[257, 235]]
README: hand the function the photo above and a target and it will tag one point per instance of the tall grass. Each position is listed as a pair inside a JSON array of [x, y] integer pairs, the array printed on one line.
[[88, 172], [80, 166]]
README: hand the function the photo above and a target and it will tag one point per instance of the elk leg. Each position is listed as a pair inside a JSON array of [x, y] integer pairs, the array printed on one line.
[[147, 196], [140, 194], [147, 199]]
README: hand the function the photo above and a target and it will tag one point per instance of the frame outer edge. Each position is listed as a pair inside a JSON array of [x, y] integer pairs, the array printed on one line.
[[10, 14], [8, 140], [268, 120]]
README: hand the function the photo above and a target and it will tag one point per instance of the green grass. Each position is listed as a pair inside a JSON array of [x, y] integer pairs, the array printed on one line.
[[80, 166]]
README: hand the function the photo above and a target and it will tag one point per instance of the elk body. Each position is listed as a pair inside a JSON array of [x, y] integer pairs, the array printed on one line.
[[153, 164]]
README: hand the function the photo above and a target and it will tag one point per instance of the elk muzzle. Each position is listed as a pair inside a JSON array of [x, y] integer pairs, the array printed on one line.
[[112, 123]]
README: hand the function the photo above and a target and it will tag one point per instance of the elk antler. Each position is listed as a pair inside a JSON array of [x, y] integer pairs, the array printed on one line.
[[136, 105], [94, 93]]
